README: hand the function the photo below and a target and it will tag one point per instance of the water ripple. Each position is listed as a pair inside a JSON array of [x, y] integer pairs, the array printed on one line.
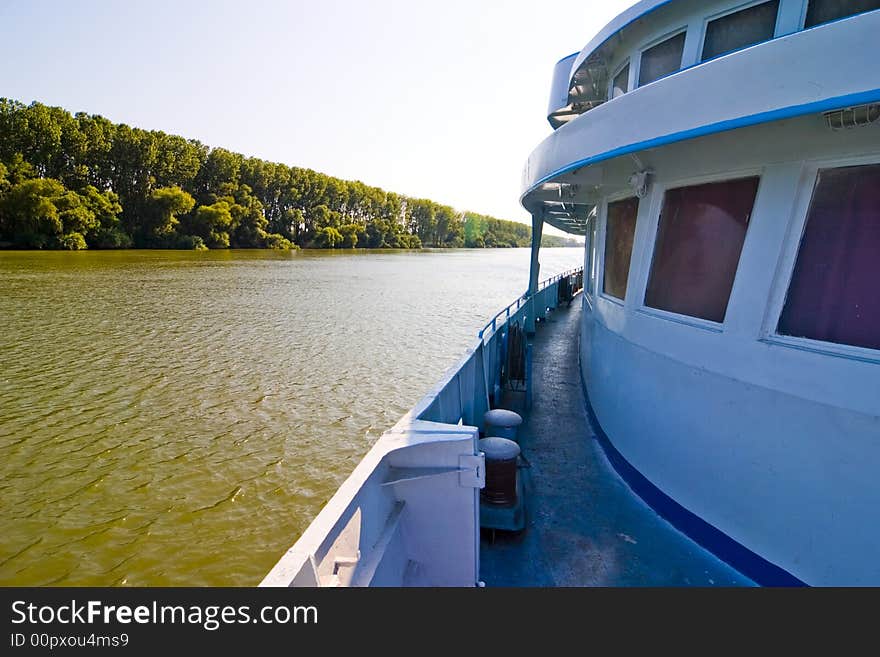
[[171, 418]]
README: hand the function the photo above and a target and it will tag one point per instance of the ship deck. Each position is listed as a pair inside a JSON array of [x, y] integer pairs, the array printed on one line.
[[585, 526]]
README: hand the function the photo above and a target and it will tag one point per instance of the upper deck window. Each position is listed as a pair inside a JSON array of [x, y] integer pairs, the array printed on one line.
[[699, 239], [662, 59], [620, 229], [825, 11], [740, 29], [833, 294], [620, 84]]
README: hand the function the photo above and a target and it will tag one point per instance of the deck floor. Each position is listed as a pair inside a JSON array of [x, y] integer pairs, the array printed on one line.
[[585, 526]]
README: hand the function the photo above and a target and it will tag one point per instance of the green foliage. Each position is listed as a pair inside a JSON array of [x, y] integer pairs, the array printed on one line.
[[29, 217], [161, 211], [119, 187], [553, 241], [73, 242], [213, 223], [481, 231], [350, 234], [111, 238], [191, 243], [409, 242], [328, 238], [276, 241]]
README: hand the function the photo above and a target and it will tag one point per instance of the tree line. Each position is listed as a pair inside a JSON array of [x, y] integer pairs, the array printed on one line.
[[76, 181]]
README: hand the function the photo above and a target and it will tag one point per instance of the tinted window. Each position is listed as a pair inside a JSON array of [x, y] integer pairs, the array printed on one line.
[[740, 29], [663, 59], [619, 233], [835, 289], [699, 239], [621, 82], [824, 11]]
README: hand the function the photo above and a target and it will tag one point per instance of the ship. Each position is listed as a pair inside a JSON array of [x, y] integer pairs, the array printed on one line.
[[700, 403]]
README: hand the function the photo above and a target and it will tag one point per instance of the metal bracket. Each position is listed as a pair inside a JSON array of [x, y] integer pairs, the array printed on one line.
[[472, 470], [638, 181]]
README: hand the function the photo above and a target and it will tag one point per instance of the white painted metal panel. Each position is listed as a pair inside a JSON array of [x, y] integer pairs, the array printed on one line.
[[829, 66]]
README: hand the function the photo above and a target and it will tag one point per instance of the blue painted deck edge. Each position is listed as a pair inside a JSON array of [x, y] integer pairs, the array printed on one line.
[[727, 125], [738, 556]]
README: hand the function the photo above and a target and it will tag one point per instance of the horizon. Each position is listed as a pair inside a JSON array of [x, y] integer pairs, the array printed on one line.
[[300, 107]]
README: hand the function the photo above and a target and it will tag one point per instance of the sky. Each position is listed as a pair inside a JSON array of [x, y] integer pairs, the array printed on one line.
[[432, 99]]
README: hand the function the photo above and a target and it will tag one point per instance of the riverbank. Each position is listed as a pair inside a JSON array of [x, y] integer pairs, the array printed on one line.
[[76, 182]]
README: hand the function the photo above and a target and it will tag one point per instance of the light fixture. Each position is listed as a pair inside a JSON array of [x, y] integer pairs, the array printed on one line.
[[853, 117], [638, 181]]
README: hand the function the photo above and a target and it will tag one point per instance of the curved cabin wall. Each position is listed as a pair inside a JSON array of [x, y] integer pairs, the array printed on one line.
[[698, 23], [773, 440], [823, 68]]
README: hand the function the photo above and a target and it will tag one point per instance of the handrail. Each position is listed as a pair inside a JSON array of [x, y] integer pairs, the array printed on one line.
[[524, 298], [359, 536]]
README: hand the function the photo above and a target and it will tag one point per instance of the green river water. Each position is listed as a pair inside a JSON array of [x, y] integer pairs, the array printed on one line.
[[178, 418]]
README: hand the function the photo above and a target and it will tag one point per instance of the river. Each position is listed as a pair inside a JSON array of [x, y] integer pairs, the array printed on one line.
[[178, 418]]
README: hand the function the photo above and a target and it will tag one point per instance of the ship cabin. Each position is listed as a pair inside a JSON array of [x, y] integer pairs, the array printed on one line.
[[722, 161]]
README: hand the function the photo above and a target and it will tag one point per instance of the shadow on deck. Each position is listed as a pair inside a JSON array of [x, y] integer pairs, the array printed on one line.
[[585, 527]]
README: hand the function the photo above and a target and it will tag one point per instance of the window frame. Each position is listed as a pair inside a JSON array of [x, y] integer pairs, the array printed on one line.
[[788, 259], [657, 200], [590, 254], [704, 29], [617, 71], [805, 8], [636, 73], [600, 252]]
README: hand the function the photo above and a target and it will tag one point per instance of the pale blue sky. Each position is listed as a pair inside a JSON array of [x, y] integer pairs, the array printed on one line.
[[442, 100]]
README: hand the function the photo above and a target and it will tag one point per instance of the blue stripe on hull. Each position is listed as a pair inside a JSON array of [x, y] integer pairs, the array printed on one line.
[[714, 540]]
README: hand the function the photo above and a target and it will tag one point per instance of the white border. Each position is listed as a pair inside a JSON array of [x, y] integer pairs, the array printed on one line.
[[788, 259], [658, 195]]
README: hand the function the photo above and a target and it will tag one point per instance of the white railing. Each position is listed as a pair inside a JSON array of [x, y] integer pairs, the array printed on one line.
[[409, 513]]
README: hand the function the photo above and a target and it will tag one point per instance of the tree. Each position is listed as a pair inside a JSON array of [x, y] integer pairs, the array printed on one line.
[[73, 242], [116, 186], [212, 223], [276, 241], [162, 209], [249, 223], [218, 176], [28, 216], [76, 216], [328, 238], [349, 234], [106, 208]]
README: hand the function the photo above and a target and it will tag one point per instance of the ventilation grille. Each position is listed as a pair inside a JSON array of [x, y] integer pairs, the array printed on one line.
[[853, 117]]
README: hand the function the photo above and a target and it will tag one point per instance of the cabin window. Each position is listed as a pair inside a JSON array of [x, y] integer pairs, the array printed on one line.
[[825, 11], [740, 29], [699, 240], [620, 84], [833, 295], [620, 229], [662, 59]]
